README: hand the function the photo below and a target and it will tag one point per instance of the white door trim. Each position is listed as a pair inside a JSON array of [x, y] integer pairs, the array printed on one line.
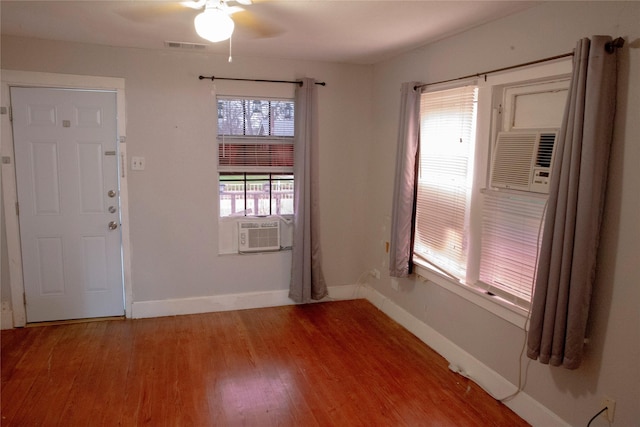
[[35, 79]]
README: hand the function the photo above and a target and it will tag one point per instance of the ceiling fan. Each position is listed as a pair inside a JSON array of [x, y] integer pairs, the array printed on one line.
[[219, 13], [215, 23]]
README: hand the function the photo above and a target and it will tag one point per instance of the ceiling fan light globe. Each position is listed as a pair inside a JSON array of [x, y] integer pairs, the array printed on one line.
[[214, 25]]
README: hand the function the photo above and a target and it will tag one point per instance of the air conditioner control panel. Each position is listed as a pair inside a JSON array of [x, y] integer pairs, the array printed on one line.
[[540, 181]]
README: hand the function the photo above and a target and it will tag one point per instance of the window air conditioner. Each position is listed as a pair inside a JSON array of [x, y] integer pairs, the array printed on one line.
[[259, 235], [522, 161]]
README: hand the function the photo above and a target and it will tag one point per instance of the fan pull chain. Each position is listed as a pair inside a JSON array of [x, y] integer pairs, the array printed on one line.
[[230, 57]]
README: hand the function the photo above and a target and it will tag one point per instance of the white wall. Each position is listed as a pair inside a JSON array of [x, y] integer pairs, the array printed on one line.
[[172, 203], [613, 356]]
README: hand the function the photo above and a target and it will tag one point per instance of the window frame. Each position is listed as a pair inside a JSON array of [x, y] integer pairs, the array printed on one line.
[[437, 187], [485, 130], [256, 177], [243, 141]]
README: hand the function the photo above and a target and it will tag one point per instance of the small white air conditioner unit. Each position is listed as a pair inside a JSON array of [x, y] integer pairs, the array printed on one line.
[[259, 235], [522, 160]]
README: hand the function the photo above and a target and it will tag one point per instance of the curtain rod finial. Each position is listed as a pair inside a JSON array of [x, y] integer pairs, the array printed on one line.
[[614, 44]]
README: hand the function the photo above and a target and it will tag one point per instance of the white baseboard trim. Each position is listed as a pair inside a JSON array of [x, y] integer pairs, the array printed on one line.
[[180, 306], [207, 304], [6, 319], [464, 363]]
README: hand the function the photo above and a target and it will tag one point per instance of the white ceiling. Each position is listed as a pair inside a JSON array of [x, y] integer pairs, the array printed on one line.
[[360, 31]]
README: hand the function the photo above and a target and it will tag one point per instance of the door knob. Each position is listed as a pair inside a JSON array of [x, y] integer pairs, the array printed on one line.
[[111, 193], [113, 225]]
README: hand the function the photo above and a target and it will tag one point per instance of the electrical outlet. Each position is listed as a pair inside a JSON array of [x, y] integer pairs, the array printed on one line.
[[610, 404], [375, 273]]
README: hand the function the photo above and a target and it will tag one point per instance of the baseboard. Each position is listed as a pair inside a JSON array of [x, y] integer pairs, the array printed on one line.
[[207, 304], [464, 363], [6, 319]]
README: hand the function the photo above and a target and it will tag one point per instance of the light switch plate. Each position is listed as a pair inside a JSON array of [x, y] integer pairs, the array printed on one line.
[[137, 163]]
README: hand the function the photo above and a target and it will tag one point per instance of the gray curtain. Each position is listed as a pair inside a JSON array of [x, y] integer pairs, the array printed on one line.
[[567, 260], [404, 189], [307, 279]]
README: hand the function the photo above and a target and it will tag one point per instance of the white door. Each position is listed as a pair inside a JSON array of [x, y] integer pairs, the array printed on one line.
[[68, 194]]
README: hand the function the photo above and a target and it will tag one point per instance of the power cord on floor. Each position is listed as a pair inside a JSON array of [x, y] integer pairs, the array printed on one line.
[[360, 283], [596, 415]]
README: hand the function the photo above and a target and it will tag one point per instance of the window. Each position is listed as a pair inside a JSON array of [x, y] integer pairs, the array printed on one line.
[[495, 250], [447, 141], [256, 194], [255, 156]]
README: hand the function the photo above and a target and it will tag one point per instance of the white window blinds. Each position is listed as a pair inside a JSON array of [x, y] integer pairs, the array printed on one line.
[[511, 225], [255, 134], [447, 140]]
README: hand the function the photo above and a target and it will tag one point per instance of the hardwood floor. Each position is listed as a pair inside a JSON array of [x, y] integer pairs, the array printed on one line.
[[330, 364]]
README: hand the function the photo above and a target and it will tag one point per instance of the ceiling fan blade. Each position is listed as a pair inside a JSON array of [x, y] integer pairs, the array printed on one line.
[[194, 4], [255, 27], [149, 10], [230, 10]]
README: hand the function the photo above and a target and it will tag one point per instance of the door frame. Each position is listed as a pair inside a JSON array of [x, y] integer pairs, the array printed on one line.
[[9, 188]]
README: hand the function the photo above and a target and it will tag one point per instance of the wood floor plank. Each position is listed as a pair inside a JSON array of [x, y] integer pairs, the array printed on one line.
[[338, 363]]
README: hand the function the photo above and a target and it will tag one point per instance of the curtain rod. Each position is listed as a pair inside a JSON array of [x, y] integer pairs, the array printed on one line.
[[610, 47], [497, 70], [299, 83]]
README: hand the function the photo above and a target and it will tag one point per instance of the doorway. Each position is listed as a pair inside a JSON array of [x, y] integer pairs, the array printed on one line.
[[79, 267]]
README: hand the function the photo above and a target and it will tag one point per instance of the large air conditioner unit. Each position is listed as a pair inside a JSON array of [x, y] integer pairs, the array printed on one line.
[[522, 160], [259, 235]]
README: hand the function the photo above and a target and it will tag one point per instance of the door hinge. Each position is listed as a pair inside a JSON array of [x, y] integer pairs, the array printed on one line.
[[17, 209], [6, 110]]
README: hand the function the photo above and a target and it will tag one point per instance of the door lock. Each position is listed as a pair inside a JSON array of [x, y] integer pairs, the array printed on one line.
[[113, 225], [111, 193]]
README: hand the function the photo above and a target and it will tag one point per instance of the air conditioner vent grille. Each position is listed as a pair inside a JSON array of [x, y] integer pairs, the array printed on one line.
[[545, 149], [258, 236], [184, 45], [512, 162]]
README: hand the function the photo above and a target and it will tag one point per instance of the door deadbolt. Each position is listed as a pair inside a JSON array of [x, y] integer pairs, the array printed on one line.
[[111, 193], [112, 209], [113, 225]]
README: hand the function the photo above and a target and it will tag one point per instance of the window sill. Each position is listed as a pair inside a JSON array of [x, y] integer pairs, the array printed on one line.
[[494, 304], [246, 254]]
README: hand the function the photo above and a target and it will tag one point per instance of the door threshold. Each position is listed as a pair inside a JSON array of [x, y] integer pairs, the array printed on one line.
[[74, 321]]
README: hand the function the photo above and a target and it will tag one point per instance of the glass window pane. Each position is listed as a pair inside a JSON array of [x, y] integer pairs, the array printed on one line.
[[262, 177], [282, 116], [230, 117], [258, 197], [282, 195], [257, 117], [231, 196]]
